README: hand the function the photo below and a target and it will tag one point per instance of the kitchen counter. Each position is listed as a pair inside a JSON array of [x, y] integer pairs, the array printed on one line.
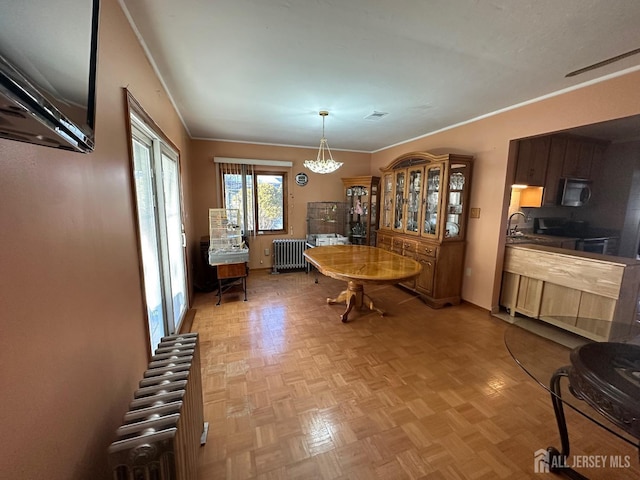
[[597, 257], [570, 289], [549, 240], [589, 239]]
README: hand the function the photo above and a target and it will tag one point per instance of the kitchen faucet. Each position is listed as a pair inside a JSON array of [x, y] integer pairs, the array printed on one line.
[[511, 231]]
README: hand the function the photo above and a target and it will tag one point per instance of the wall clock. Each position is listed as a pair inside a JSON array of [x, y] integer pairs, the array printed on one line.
[[302, 179]]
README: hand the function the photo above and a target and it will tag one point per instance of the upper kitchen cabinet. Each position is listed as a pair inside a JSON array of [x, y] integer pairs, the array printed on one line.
[[424, 210], [577, 159], [544, 161], [554, 170], [533, 157], [363, 199]]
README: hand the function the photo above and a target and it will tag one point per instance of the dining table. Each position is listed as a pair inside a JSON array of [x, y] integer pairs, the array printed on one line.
[[360, 265]]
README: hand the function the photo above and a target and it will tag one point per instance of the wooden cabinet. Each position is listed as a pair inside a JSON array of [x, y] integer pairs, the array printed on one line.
[[522, 294], [409, 249], [424, 210], [577, 159], [424, 282], [557, 150], [588, 294], [384, 241], [533, 157], [363, 203], [544, 161]]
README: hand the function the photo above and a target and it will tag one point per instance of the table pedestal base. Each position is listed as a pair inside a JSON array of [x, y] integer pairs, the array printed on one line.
[[354, 296]]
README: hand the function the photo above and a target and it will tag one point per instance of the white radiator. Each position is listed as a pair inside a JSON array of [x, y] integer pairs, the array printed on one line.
[[164, 428], [288, 254]]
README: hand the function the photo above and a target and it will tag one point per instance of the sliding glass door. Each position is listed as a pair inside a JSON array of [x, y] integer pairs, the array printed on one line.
[[162, 241], [175, 237]]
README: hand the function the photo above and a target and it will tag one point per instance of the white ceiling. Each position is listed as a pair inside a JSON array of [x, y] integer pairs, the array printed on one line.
[[261, 70]]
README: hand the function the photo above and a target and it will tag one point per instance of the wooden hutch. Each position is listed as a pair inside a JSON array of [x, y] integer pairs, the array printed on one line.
[[423, 215]]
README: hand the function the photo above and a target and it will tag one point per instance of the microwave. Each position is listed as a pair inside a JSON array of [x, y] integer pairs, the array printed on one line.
[[574, 192]]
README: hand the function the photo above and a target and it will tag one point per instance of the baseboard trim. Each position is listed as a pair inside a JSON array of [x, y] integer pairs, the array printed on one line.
[[187, 323]]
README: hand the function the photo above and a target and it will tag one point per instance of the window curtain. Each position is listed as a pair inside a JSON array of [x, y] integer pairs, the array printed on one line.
[[237, 186]]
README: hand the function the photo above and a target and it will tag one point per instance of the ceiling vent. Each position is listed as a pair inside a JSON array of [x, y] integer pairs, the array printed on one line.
[[376, 115]]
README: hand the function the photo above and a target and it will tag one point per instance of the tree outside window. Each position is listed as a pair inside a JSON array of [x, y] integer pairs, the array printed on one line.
[[270, 202]]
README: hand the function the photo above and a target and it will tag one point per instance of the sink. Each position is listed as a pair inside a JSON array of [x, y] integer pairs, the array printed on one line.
[[519, 239]]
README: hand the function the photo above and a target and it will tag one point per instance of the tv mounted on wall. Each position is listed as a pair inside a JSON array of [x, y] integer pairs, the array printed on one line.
[[48, 61]]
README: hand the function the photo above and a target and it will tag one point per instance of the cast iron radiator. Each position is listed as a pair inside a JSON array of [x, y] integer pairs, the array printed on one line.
[[161, 433], [288, 254]]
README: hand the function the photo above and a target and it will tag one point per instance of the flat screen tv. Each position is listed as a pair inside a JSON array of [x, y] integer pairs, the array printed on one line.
[[48, 61]]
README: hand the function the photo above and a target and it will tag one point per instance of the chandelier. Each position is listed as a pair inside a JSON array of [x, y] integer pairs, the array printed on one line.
[[322, 164]]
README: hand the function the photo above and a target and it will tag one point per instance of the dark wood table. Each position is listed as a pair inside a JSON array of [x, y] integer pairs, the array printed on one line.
[[359, 265]]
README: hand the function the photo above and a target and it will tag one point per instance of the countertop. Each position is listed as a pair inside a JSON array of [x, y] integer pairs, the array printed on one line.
[[538, 239]]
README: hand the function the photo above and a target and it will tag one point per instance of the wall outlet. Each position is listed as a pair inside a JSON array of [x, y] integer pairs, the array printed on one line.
[[266, 252], [467, 271], [474, 213]]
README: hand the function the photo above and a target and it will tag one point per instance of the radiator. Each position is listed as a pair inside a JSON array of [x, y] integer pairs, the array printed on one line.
[[164, 428], [288, 254]]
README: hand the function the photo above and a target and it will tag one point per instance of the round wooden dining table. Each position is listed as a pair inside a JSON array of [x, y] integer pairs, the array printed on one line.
[[359, 265]]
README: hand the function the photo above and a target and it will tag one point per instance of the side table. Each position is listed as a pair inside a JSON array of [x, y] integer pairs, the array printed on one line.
[[233, 273]]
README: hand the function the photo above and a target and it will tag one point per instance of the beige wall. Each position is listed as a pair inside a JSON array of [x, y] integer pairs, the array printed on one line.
[[319, 188], [488, 140], [73, 344]]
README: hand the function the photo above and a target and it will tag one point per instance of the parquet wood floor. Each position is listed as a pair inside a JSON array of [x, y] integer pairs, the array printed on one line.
[[290, 392]]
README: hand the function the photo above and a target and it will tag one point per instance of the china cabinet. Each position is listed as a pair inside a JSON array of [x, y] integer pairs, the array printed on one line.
[[363, 202], [424, 210]]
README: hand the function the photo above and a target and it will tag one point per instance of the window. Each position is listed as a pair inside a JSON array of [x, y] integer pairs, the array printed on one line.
[[270, 201], [258, 195]]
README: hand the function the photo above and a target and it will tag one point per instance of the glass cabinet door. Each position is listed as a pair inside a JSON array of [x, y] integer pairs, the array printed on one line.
[[432, 200], [358, 214], [387, 200], [398, 201], [458, 174], [414, 197], [373, 213]]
